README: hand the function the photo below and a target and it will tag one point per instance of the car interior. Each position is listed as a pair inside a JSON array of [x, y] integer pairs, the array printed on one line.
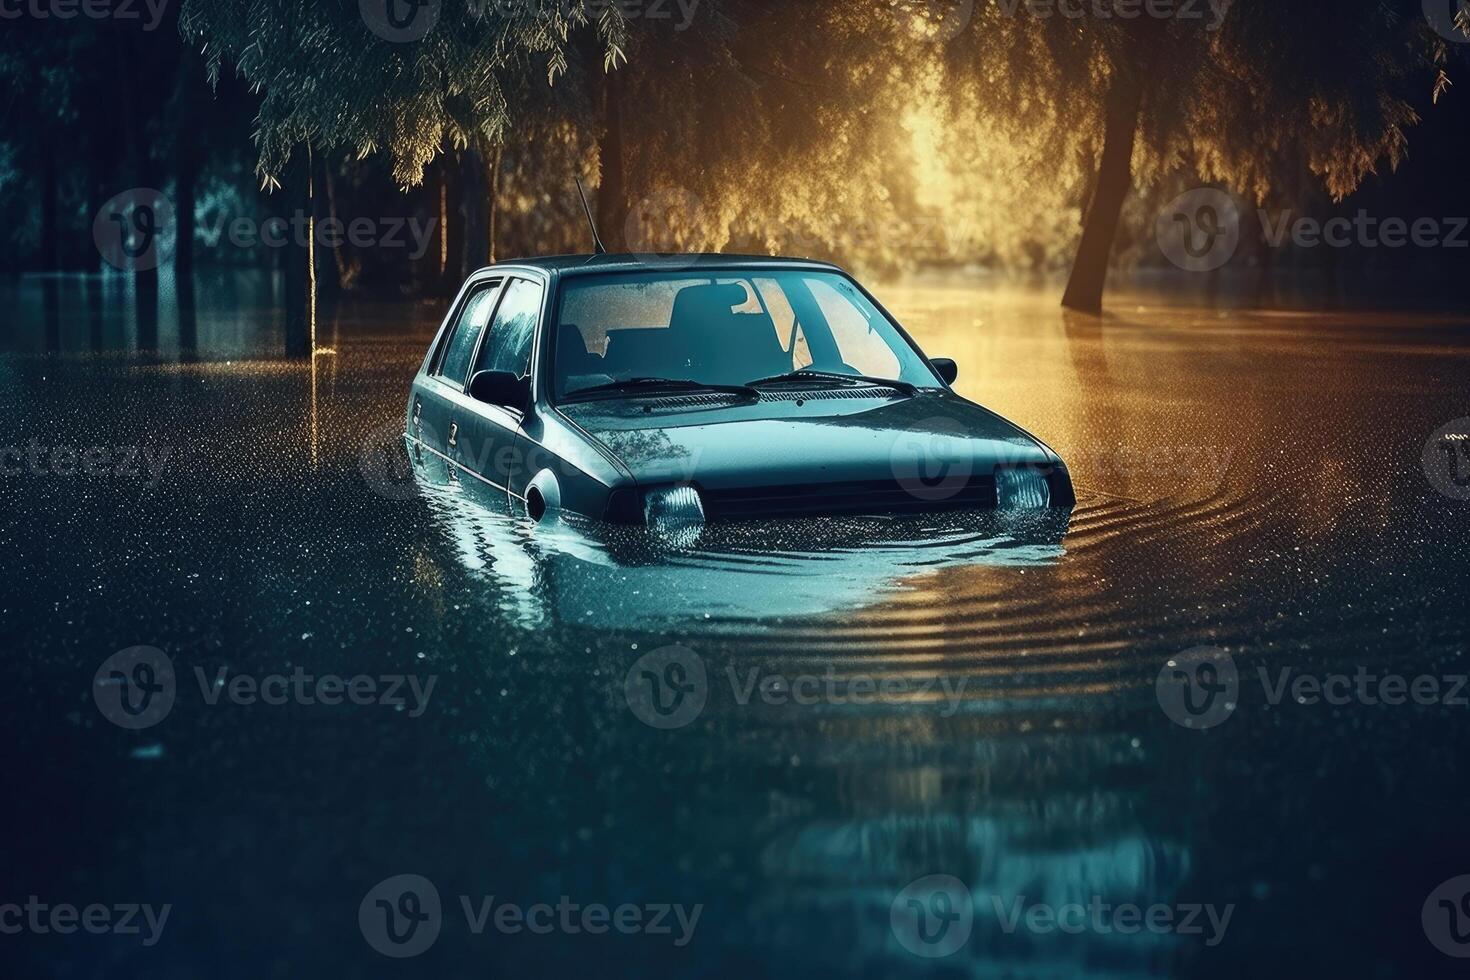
[[711, 333]]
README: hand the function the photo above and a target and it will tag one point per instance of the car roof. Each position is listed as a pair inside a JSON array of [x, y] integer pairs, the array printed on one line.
[[567, 265]]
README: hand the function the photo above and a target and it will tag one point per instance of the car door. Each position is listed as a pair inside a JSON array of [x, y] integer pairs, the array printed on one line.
[[436, 414], [488, 434]]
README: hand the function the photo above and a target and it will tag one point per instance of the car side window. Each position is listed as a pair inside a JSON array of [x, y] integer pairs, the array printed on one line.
[[464, 335], [508, 347]]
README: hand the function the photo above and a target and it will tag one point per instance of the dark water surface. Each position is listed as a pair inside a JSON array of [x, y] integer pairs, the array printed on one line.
[[1250, 481]]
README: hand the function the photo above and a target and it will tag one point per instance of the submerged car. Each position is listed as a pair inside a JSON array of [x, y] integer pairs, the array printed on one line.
[[710, 388]]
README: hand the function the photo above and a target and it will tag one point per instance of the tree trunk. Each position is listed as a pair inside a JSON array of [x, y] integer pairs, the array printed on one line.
[[188, 160], [95, 197], [612, 190], [50, 249], [472, 236], [300, 259], [332, 274], [145, 307], [452, 212], [184, 194], [1114, 177], [492, 191], [50, 258], [140, 167]]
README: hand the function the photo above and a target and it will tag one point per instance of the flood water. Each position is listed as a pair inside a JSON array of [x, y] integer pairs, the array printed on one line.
[[870, 702]]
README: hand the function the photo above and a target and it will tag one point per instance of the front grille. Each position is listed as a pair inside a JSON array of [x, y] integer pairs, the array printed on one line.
[[860, 497]]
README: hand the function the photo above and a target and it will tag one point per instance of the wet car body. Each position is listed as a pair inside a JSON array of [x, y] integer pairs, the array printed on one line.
[[803, 448]]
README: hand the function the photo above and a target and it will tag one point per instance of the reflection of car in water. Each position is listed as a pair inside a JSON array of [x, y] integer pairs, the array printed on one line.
[[583, 572], [629, 391]]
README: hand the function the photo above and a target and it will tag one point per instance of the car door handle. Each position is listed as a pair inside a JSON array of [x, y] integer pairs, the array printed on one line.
[[453, 432]]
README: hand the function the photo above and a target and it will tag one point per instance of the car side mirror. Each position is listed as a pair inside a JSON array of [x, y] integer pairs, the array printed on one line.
[[947, 369], [500, 388]]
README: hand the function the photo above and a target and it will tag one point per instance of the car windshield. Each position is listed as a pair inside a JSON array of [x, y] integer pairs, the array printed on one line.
[[725, 328]]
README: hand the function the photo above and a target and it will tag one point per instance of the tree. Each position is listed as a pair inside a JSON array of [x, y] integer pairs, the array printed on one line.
[[331, 81], [1271, 89]]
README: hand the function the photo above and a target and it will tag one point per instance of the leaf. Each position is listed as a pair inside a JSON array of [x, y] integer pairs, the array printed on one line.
[[1442, 85]]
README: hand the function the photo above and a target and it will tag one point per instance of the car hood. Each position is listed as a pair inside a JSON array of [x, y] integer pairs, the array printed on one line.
[[819, 440]]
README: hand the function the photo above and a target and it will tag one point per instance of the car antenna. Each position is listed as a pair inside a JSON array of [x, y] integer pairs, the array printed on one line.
[[597, 247]]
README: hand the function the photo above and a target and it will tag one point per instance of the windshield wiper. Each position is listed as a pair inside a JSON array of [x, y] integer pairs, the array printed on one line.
[[827, 377], [650, 385]]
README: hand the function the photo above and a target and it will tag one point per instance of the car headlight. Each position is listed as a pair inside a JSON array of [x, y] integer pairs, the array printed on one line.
[[1021, 488], [672, 508]]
